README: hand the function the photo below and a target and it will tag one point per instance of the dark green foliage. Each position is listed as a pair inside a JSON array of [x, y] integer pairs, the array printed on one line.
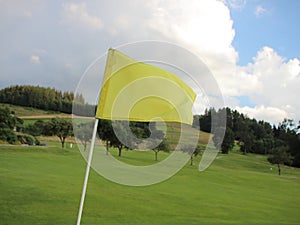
[[7, 118], [7, 135], [280, 156], [105, 132], [27, 139], [228, 141], [205, 120], [40, 98], [140, 129], [255, 136], [38, 128], [8, 122], [85, 133], [30, 140], [124, 134], [62, 128], [83, 109]]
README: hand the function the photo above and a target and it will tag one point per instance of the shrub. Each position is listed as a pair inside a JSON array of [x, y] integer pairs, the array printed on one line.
[[8, 135], [30, 140]]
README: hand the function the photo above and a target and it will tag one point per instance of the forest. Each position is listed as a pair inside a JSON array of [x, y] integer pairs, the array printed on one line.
[[254, 136], [40, 98], [281, 142]]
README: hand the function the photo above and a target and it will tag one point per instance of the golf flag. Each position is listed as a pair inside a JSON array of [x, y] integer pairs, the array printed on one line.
[[138, 91]]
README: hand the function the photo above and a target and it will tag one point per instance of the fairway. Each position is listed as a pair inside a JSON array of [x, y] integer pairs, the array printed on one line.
[[42, 185]]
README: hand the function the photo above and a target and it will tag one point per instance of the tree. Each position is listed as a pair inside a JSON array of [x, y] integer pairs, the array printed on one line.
[[39, 97], [37, 128], [162, 146], [8, 136], [7, 119], [106, 132], [120, 136], [85, 133], [189, 149], [280, 156], [62, 128], [8, 122], [115, 142], [196, 152], [228, 141], [246, 137]]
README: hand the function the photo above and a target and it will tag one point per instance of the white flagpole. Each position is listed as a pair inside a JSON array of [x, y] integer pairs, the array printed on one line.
[[87, 171]]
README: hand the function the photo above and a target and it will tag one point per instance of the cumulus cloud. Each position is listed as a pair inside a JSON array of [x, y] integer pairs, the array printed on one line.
[[271, 114], [77, 13], [204, 27], [279, 81], [197, 26], [35, 59]]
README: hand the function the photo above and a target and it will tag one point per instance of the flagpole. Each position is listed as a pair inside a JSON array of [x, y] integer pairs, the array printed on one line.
[[87, 171]]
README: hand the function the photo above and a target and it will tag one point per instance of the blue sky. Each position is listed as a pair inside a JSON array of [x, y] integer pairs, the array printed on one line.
[[250, 46], [274, 25]]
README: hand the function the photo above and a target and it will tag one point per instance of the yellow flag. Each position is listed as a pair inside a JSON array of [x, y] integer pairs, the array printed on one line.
[[137, 91]]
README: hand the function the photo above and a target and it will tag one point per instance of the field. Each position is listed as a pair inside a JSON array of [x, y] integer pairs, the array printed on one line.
[[42, 185], [28, 112]]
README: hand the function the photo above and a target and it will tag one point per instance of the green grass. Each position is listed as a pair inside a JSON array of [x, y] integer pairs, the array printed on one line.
[[32, 121], [28, 111], [42, 185]]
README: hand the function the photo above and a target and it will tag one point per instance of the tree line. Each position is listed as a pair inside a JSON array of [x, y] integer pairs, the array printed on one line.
[[13, 131], [282, 141], [40, 98], [63, 128]]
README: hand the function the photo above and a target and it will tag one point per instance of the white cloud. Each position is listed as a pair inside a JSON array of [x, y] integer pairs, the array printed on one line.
[[260, 10], [35, 59], [270, 114], [198, 26], [236, 4], [204, 27], [271, 82], [77, 13], [279, 82], [207, 30]]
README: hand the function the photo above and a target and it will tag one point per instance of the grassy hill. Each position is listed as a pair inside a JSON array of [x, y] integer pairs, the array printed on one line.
[[28, 112], [30, 115], [42, 185]]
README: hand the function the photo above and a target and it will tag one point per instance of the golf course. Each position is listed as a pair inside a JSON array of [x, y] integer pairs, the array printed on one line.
[[42, 185], [152, 112]]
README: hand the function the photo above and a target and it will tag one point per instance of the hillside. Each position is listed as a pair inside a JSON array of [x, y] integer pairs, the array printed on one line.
[[27, 112], [42, 185]]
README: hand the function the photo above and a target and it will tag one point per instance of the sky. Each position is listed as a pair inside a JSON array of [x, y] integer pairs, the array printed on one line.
[[250, 46]]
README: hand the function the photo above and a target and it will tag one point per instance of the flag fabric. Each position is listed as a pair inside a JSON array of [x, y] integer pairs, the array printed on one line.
[[137, 91]]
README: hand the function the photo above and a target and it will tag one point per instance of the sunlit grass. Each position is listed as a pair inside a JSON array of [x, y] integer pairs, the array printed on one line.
[[42, 185]]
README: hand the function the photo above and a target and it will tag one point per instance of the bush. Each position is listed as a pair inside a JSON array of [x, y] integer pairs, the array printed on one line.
[[8, 135], [28, 139], [36, 129]]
